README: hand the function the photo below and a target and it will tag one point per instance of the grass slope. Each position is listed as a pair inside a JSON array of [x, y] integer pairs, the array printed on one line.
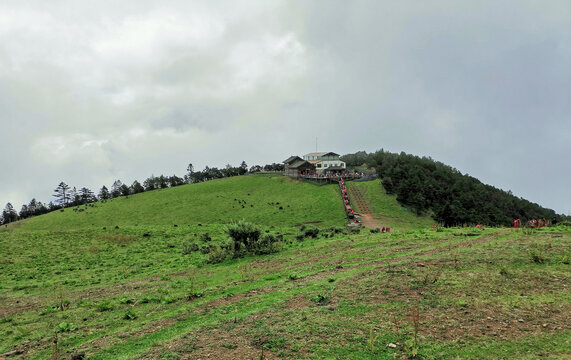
[[115, 293], [259, 199], [386, 209]]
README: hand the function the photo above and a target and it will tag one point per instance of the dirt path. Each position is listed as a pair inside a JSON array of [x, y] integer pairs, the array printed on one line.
[[367, 220]]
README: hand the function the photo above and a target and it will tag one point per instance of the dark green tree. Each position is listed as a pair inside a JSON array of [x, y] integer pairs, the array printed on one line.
[[104, 193], [9, 214], [62, 194], [136, 187], [116, 188]]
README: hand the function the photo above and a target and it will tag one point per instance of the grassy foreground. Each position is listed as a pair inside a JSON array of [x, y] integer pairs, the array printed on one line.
[[133, 292]]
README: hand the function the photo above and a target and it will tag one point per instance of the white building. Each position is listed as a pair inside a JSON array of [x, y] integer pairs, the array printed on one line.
[[325, 161]]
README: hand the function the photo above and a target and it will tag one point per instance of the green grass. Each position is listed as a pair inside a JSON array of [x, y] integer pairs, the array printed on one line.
[[385, 208], [276, 200], [116, 293]]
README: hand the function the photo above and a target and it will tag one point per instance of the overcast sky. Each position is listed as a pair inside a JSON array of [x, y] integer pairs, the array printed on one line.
[[93, 91]]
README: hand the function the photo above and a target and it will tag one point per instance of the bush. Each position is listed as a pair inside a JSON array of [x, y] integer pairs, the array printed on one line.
[[334, 230], [205, 237], [267, 245], [189, 247], [245, 239], [307, 231], [218, 255], [206, 249], [244, 234], [311, 231]]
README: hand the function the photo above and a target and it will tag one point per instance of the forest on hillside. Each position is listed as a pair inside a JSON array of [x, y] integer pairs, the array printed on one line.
[[426, 186]]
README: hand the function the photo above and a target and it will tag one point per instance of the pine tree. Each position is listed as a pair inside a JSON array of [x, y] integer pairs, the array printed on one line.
[[62, 194], [87, 196], [9, 214], [104, 193], [137, 187], [116, 188]]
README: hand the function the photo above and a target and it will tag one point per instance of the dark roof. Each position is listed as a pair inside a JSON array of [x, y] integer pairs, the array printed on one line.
[[291, 159], [331, 153], [300, 163], [335, 168]]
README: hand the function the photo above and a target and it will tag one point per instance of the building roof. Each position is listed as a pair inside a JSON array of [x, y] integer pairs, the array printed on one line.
[[335, 168], [319, 154], [299, 163], [291, 159]]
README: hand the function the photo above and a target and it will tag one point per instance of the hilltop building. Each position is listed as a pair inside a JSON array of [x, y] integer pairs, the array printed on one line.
[[314, 163], [294, 166], [327, 162]]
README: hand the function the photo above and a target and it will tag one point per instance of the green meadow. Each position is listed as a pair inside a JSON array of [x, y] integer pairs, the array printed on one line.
[[131, 279]]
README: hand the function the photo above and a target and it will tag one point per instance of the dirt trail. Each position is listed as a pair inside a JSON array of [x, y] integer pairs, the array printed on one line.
[[367, 220]]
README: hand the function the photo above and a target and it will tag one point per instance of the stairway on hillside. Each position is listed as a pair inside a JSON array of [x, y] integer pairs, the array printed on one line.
[[367, 220]]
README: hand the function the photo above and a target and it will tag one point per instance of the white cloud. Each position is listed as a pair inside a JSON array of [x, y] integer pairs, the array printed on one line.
[[60, 150]]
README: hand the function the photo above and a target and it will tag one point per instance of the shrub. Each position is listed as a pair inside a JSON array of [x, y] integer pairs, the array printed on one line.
[[335, 230], [189, 247], [208, 248], [311, 231], [218, 255], [375, 230], [205, 237], [307, 231], [267, 245], [244, 234]]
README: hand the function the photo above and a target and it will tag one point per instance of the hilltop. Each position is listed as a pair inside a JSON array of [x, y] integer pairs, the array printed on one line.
[[430, 187]]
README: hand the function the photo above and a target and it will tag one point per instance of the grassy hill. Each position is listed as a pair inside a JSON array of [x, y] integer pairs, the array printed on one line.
[[117, 281], [260, 199], [426, 186]]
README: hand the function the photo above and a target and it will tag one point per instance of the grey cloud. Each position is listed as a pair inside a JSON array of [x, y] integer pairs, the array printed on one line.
[[143, 87]]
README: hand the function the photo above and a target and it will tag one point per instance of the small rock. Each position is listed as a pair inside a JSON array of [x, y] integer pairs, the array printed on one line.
[[544, 325], [520, 320], [391, 345]]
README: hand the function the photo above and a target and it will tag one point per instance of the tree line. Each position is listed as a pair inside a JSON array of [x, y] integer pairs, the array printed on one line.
[[430, 187], [67, 196]]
